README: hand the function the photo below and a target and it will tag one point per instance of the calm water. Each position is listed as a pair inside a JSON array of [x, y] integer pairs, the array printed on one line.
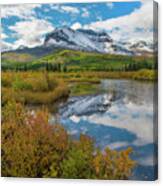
[[119, 117]]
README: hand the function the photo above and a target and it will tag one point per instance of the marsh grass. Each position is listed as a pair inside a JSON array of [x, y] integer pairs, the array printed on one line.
[[79, 89], [32, 88]]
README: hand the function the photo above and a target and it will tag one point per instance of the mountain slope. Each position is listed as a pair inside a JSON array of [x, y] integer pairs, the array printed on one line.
[[16, 57]]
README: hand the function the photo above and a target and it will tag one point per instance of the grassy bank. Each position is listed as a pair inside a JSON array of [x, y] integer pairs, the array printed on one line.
[[94, 77]]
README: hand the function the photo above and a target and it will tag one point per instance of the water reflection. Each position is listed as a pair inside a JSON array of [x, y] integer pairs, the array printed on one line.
[[120, 117]]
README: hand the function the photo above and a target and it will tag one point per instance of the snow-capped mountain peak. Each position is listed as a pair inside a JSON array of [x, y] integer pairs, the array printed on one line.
[[74, 39], [82, 39]]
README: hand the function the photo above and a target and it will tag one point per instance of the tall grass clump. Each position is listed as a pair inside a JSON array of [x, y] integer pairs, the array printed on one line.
[[33, 88]]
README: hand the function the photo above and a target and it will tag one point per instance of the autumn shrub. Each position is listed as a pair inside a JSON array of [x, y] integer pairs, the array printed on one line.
[[112, 164], [29, 143], [31, 147]]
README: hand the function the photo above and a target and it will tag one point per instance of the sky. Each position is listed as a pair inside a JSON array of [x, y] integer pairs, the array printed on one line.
[[28, 24]]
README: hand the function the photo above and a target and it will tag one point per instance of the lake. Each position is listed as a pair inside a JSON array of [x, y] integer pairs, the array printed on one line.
[[121, 116]]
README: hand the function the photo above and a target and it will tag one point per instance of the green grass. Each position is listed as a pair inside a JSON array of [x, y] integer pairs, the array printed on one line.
[[79, 89]]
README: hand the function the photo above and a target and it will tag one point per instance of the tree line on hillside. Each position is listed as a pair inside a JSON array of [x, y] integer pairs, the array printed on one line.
[[53, 67], [58, 67]]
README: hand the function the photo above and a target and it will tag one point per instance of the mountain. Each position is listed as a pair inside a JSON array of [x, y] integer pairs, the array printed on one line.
[[86, 40], [140, 47]]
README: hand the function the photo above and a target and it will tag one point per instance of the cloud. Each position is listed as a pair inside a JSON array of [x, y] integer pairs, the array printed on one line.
[[75, 118], [125, 121], [3, 36], [119, 144], [31, 33], [137, 25], [76, 26], [65, 9], [110, 5], [150, 160], [5, 46], [54, 7], [22, 11], [70, 9], [85, 13]]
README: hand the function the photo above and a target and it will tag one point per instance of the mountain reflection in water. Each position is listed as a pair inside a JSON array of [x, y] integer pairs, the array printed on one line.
[[121, 116]]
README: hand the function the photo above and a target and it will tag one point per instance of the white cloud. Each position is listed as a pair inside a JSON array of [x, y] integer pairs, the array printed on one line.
[[3, 36], [116, 145], [137, 25], [85, 13], [54, 7], [110, 5], [31, 33], [76, 26], [150, 160], [5, 46], [70, 9], [25, 11], [65, 9], [75, 118]]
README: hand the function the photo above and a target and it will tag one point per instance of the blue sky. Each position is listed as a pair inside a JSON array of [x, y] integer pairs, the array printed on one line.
[[94, 11], [28, 24]]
